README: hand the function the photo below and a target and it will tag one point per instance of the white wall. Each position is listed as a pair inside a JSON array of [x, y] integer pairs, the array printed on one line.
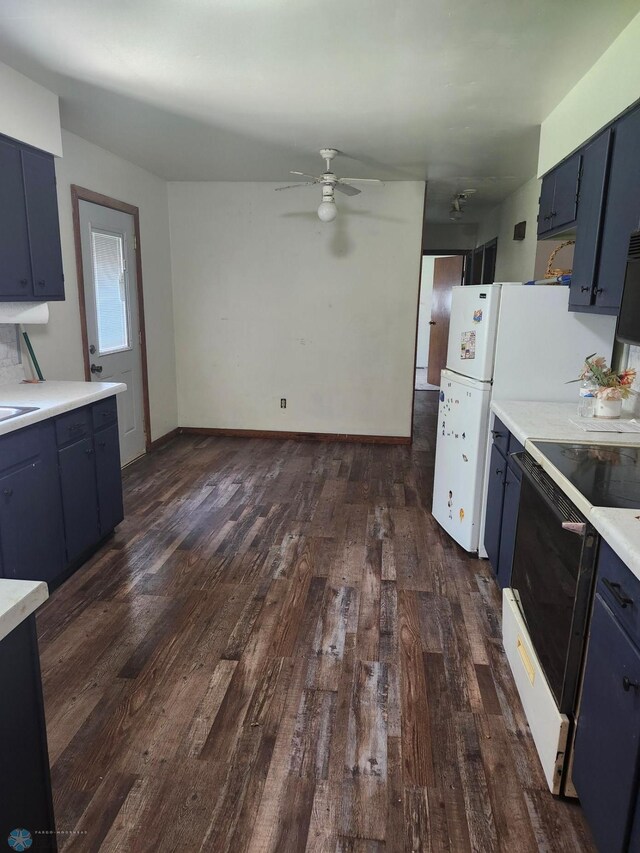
[[515, 260], [605, 91], [28, 112], [270, 303], [59, 345]]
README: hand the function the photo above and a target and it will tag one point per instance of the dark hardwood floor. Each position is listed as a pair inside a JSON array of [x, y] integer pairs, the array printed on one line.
[[280, 651]]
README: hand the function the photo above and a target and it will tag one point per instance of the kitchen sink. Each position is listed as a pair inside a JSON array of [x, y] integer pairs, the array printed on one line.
[[8, 412]]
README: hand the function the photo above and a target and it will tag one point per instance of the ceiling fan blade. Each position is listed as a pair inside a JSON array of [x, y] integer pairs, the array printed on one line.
[[363, 180], [347, 189], [304, 175], [295, 186]]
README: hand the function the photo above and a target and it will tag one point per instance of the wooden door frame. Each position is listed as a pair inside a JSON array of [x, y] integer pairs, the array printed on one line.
[[79, 194], [466, 253]]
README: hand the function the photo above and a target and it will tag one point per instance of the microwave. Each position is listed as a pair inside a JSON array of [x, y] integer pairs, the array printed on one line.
[[628, 325]]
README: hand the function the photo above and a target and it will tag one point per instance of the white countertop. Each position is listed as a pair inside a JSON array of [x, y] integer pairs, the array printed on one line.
[[19, 599], [52, 398], [551, 422]]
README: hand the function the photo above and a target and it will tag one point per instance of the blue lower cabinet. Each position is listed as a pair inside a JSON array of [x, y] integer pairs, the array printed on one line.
[[495, 499], [26, 804], [607, 744], [79, 489], [60, 492], [109, 479], [509, 524], [31, 530]]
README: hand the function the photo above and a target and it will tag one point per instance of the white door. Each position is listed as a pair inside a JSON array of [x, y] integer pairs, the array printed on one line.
[[113, 329], [472, 330], [463, 416]]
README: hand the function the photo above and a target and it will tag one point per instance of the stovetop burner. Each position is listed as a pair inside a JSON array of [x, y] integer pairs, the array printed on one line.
[[605, 474]]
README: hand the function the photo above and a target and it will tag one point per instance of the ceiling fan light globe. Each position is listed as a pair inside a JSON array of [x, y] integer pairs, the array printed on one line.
[[327, 211]]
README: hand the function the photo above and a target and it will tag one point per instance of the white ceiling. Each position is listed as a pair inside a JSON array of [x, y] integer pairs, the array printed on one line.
[[448, 90]]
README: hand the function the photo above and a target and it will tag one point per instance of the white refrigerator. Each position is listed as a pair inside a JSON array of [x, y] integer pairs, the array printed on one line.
[[508, 342]]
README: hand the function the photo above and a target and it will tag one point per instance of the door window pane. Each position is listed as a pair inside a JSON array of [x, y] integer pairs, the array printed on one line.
[[109, 273]]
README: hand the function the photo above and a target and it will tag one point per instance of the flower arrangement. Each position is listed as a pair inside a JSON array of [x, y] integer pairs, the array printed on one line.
[[611, 386]]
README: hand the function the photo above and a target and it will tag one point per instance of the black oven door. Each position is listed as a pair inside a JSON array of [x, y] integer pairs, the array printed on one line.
[[553, 568]]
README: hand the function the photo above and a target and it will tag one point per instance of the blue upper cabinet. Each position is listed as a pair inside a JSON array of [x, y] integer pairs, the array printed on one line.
[[15, 263], [30, 255], [601, 215], [42, 221], [558, 197], [622, 211]]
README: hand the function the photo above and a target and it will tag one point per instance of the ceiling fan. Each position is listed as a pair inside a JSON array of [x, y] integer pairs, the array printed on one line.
[[457, 204], [328, 211]]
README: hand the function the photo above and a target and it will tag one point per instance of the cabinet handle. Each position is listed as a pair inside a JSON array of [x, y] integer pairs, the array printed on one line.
[[599, 290], [617, 592], [102, 444], [627, 684], [24, 282], [8, 492], [41, 283], [89, 451], [75, 427], [497, 434], [498, 472], [584, 289]]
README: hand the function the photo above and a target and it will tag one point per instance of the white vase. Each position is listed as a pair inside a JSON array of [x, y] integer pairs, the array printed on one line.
[[607, 408]]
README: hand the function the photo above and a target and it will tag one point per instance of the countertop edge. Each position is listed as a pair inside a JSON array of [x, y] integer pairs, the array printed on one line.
[[52, 410], [24, 598]]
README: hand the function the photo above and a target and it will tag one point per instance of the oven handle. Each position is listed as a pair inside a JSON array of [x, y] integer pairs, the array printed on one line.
[[572, 527]]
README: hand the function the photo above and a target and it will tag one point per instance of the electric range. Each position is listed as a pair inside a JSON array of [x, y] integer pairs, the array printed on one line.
[[605, 474]]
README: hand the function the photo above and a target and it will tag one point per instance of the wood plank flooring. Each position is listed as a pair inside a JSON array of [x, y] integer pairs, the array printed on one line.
[[280, 652]]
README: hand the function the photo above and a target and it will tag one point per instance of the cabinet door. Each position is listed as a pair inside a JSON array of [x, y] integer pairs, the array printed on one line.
[[565, 195], [509, 524], [15, 265], [44, 230], [79, 497], [24, 771], [495, 498], [109, 478], [31, 532], [546, 203], [595, 162], [622, 214], [608, 731]]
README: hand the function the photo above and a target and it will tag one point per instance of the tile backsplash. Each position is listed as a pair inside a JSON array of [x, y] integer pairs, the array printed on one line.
[[11, 368]]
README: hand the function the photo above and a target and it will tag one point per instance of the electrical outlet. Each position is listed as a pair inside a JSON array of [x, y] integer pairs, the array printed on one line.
[[283, 402]]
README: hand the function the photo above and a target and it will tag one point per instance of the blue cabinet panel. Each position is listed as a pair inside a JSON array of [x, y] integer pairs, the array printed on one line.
[[565, 198], [31, 531], [546, 203], [25, 783], [107, 447], [509, 524], [595, 162], [79, 497], [608, 731], [622, 214], [495, 498], [44, 230], [15, 264]]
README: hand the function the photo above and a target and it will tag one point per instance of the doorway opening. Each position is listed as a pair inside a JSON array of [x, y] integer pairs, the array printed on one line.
[[109, 268], [440, 272]]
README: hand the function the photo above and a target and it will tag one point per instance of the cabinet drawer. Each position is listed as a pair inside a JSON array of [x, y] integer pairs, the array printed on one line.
[[19, 446], [104, 413], [500, 436], [73, 426], [620, 589]]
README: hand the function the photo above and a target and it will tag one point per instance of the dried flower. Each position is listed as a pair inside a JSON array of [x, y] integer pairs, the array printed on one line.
[[611, 386]]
